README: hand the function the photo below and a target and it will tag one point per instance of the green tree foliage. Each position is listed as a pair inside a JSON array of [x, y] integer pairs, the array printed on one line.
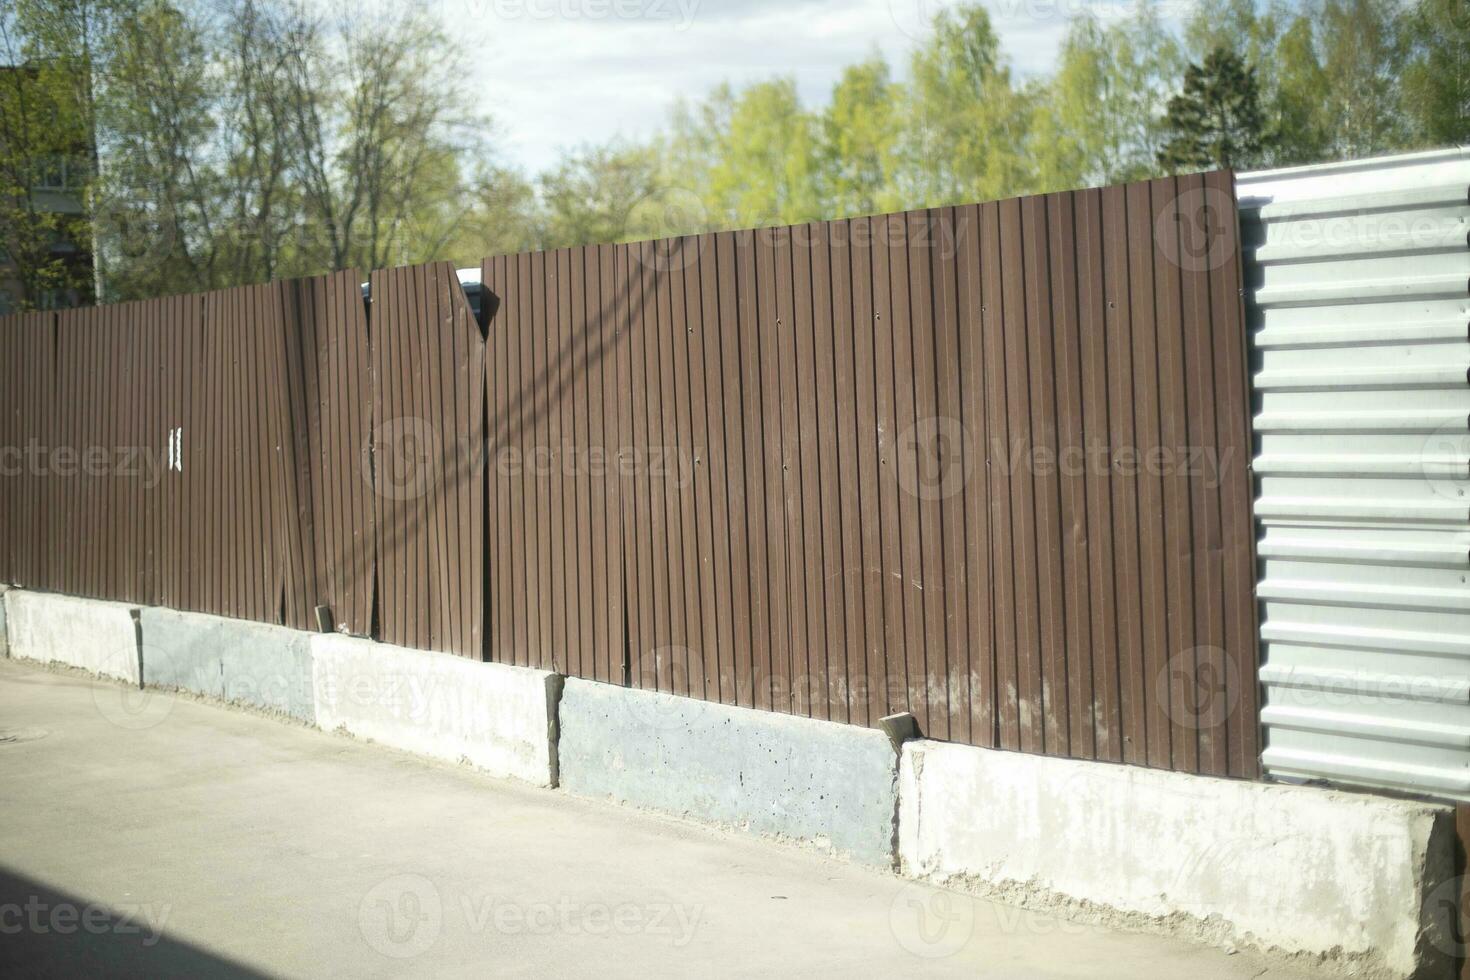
[[766, 164], [497, 215], [1331, 73], [160, 223], [966, 122], [1300, 131], [1436, 83], [56, 48], [381, 136], [41, 160], [1249, 29], [1101, 118], [230, 141], [1216, 121], [346, 142], [599, 193], [860, 141], [1363, 54]]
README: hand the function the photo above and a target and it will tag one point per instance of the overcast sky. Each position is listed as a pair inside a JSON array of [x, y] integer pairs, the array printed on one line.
[[556, 73]]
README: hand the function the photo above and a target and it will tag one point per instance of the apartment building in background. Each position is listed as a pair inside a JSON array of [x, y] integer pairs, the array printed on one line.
[[55, 186]]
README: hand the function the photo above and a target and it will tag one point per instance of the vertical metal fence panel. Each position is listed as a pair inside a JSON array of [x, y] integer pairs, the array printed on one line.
[[232, 440], [13, 472], [330, 421], [500, 460], [846, 571], [29, 373], [428, 460]]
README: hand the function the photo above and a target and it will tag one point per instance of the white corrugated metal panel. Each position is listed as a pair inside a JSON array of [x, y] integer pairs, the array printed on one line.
[[1358, 294]]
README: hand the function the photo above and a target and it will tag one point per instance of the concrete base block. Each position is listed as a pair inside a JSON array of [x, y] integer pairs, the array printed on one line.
[[497, 718], [4, 637], [254, 663], [1351, 879], [811, 781], [88, 633]]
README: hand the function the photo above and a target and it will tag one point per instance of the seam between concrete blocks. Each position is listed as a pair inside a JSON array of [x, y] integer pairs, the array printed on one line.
[[555, 684], [136, 615], [4, 622]]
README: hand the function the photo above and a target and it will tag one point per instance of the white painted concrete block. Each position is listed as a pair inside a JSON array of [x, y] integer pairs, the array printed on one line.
[[497, 718], [91, 634], [1353, 878]]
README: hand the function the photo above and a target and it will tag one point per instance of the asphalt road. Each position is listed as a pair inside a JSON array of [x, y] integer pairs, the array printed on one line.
[[142, 833]]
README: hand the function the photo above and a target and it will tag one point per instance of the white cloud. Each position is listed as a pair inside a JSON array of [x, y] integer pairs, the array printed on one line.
[[556, 73]]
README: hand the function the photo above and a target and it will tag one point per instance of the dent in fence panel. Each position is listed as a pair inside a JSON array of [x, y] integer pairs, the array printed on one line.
[[428, 459], [333, 539], [236, 477]]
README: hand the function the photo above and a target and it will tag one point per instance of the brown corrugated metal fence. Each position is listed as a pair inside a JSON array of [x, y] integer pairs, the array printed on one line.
[[429, 431], [986, 463]]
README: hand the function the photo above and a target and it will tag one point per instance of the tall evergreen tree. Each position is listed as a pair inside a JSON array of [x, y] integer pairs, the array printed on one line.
[[1216, 121]]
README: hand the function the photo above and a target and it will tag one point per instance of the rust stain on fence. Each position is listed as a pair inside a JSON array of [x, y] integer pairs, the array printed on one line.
[[984, 463]]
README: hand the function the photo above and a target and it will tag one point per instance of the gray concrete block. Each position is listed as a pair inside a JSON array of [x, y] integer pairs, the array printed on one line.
[[181, 650], [253, 663], [4, 636], [833, 786], [271, 668]]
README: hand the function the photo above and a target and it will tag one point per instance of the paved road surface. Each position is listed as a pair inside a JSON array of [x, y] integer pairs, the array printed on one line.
[[213, 842]]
